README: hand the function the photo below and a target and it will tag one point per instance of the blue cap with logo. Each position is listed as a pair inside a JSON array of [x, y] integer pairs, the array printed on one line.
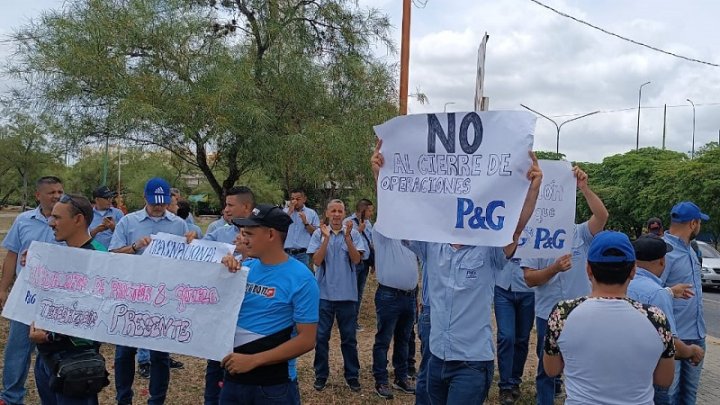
[[611, 247], [157, 191], [687, 211]]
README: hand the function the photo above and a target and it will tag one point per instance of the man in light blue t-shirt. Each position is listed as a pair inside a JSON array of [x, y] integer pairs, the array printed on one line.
[[278, 318], [562, 279]]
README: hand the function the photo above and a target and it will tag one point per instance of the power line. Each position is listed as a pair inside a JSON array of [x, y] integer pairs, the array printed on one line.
[[624, 38], [635, 109]]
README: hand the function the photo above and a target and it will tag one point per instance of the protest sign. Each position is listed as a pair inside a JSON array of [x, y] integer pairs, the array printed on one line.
[[455, 177], [549, 233], [176, 247], [186, 307]]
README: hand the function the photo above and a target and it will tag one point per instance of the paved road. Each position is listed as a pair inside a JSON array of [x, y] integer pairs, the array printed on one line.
[[711, 306]]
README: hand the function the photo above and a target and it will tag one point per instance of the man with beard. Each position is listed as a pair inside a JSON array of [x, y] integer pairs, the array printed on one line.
[[683, 267]]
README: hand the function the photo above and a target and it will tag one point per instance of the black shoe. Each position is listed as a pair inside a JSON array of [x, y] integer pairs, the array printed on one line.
[[507, 397], [515, 392], [176, 364], [320, 383], [354, 384], [144, 370], [412, 373], [384, 391], [404, 386]]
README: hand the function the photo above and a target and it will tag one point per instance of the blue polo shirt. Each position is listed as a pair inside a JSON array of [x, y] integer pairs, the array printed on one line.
[[297, 236], [647, 288], [225, 234], [276, 297], [567, 285], [105, 236], [461, 284], [139, 224], [682, 266], [217, 224], [511, 278], [27, 227], [337, 276], [395, 265]]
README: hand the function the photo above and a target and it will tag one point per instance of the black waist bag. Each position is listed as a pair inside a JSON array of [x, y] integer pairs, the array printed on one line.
[[78, 373]]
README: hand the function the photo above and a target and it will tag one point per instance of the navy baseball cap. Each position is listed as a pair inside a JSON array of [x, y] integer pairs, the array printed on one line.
[[611, 247], [650, 247], [104, 192], [687, 211], [270, 216], [157, 191]]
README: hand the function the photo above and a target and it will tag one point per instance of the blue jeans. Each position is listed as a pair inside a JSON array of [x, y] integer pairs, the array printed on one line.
[[395, 318], [421, 386], [213, 377], [459, 382], [125, 375], [50, 397], [687, 378], [143, 356], [18, 352], [661, 396], [514, 314], [303, 258], [362, 275], [345, 312], [242, 394], [544, 384]]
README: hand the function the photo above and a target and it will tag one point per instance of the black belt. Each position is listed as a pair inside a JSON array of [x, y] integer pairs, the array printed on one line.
[[409, 293], [295, 251]]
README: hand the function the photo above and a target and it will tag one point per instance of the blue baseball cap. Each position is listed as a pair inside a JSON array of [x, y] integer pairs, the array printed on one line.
[[687, 211], [611, 247], [157, 191]]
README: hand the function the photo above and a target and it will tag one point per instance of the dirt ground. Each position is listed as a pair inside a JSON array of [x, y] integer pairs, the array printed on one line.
[[186, 385]]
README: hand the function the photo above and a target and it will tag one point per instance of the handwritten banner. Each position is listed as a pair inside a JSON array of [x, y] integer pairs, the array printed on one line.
[[176, 247], [549, 232], [185, 307], [456, 177]]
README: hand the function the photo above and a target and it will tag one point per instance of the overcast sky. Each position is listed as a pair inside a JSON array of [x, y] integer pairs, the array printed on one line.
[[555, 65]]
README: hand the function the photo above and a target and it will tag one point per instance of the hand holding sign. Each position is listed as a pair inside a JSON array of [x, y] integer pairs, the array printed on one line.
[[535, 173], [582, 178], [377, 161], [232, 264], [142, 243]]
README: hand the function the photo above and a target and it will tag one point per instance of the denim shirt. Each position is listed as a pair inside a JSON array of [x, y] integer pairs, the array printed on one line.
[[337, 275], [28, 227], [648, 289], [461, 285], [297, 236], [512, 278], [682, 266]]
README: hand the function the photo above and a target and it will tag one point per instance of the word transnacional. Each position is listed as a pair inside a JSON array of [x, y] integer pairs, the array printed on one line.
[[464, 174], [179, 307]]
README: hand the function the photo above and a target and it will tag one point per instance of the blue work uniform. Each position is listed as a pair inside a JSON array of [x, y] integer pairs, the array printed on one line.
[[105, 236]]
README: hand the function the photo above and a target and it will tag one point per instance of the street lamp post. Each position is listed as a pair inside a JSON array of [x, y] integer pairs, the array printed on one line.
[[558, 127], [692, 152], [447, 104], [637, 136]]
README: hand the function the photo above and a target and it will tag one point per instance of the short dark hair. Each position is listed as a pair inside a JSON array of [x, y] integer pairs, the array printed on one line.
[[175, 192], [297, 190], [362, 204], [80, 205], [183, 210], [47, 180], [611, 273], [242, 192]]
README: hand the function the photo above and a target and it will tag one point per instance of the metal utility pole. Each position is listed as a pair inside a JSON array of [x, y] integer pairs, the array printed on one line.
[[405, 57], [692, 153], [637, 136], [558, 127], [664, 125]]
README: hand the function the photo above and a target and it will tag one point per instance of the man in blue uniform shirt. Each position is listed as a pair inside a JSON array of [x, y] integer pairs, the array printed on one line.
[[461, 364], [336, 249], [647, 287], [105, 216], [305, 222], [361, 217], [682, 266], [132, 236], [28, 226], [278, 318]]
